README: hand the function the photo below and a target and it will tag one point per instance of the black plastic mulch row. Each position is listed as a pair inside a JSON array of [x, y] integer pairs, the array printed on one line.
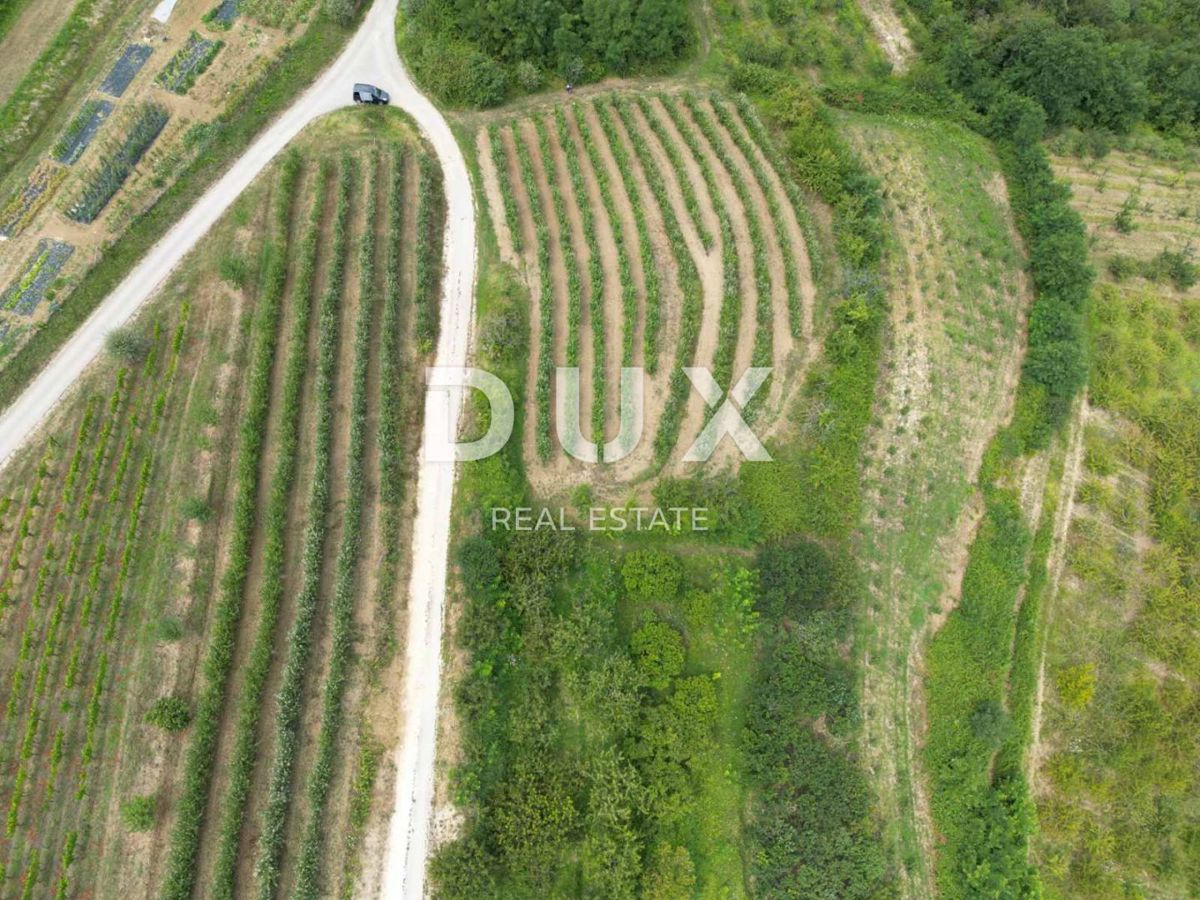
[[126, 69]]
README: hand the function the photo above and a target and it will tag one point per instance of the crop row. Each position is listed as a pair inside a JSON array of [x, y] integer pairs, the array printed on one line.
[[779, 216], [188, 63], [596, 278], [546, 302], [512, 215], [345, 579], [245, 746], [764, 320], [690, 288], [431, 221], [628, 288], [118, 163], [729, 320], [290, 697], [574, 298], [200, 758], [687, 189], [392, 407]]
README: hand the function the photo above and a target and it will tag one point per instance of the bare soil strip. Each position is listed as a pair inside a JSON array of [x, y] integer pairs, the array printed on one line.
[[491, 190]]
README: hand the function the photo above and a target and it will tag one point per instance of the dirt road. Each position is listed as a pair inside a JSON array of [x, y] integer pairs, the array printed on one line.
[[371, 57]]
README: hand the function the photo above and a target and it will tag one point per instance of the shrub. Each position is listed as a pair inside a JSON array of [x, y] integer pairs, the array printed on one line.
[[1124, 222], [1076, 685], [529, 76], [651, 576], [339, 11], [990, 723], [169, 629], [127, 345], [658, 654], [170, 714], [233, 270], [796, 576], [196, 509], [137, 814]]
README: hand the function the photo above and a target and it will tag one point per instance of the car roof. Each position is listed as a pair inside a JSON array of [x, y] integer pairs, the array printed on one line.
[[365, 87]]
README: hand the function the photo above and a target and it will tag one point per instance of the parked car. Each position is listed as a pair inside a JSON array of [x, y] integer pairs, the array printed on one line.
[[368, 93]]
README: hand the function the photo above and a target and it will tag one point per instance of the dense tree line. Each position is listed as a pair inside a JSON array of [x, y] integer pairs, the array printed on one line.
[[474, 53], [1092, 64]]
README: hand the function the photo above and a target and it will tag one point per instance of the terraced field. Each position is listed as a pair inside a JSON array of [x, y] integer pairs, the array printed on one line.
[[208, 540], [652, 231]]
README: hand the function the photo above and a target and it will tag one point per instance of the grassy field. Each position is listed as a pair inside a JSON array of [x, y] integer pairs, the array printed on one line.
[[186, 591], [957, 300]]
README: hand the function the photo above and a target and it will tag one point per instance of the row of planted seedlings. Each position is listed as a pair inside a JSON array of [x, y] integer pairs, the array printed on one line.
[[236, 799], [817, 264], [512, 214], [103, 599], [596, 280], [268, 866], [763, 318], [348, 564], [73, 609], [392, 411], [629, 294], [729, 320], [27, 521], [691, 291], [545, 364], [431, 224], [759, 166], [200, 759]]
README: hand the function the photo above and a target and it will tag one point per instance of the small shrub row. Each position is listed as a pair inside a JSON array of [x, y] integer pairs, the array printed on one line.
[[246, 740], [512, 215], [730, 317], [681, 174], [689, 276], [653, 324], [345, 582], [764, 319], [290, 697], [188, 64], [180, 878], [566, 249], [431, 220], [596, 279], [545, 366]]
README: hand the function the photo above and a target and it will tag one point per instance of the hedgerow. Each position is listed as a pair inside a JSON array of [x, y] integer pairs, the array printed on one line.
[[545, 365], [290, 696], [257, 667], [345, 580], [691, 307], [596, 278], [180, 879], [653, 289], [500, 163]]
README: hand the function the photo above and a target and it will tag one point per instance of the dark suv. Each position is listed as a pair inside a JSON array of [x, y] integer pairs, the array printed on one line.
[[368, 93]]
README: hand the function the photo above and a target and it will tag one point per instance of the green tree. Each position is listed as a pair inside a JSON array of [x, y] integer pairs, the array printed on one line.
[[796, 576], [651, 576], [658, 654]]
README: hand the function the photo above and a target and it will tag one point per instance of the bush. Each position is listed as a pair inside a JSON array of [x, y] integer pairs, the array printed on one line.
[[651, 576], [234, 271], [196, 509], [796, 576], [529, 76], [138, 814], [658, 654], [169, 629], [127, 345], [339, 11], [170, 714], [1076, 685], [990, 723]]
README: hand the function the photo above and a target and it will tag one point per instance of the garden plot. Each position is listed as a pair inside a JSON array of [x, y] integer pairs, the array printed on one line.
[[188, 64], [223, 15], [647, 230], [81, 131], [117, 163], [126, 69], [24, 294], [19, 211]]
